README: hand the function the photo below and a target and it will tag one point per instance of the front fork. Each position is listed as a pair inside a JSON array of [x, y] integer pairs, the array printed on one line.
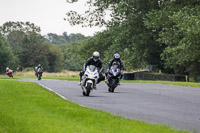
[[84, 80]]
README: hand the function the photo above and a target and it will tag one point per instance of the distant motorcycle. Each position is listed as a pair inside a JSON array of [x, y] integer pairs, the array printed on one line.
[[113, 77], [39, 73], [10, 73], [89, 79]]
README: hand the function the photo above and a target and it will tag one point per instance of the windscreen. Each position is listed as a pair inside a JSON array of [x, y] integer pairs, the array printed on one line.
[[92, 68], [114, 67]]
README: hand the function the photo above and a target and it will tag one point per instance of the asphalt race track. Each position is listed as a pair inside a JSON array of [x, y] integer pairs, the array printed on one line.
[[172, 105]]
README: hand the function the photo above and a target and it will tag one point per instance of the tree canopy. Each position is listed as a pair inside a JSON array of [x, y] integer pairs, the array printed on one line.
[[29, 47], [163, 33]]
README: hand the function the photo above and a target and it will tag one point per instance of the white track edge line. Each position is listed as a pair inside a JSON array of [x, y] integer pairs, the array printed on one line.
[[57, 93]]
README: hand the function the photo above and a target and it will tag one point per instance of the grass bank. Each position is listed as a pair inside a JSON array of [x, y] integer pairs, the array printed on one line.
[[27, 107], [189, 84], [74, 76], [65, 75]]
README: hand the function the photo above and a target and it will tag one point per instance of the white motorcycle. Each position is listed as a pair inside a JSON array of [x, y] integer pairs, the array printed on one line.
[[89, 79]]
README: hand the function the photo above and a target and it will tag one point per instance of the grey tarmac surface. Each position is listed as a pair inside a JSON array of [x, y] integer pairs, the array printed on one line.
[[177, 106]]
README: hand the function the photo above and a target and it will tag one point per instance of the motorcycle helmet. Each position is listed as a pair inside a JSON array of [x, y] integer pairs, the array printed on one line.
[[7, 68], [96, 56], [116, 56], [39, 65]]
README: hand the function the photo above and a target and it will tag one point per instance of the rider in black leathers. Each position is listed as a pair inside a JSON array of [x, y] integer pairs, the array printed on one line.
[[116, 58], [96, 61], [36, 69]]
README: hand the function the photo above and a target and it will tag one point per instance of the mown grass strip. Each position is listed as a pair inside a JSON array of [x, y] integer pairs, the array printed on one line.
[[28, 108], [21, 76], [189, 84], [6, 77], [77, 78]]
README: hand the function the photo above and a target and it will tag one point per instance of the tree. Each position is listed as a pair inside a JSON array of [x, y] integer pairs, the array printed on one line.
[[129, 35], [72, 56], [9, 27], [55, 58], [64, 39], [7, 58], [30, 47], [177, 25]]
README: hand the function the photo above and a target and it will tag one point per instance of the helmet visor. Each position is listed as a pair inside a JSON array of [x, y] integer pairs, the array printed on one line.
[[96, 57]]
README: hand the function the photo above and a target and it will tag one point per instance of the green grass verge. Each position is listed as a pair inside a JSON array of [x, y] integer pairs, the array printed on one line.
[[70, 78], [189, 84], [28, 108], [21, 76], [77, 78], [6, 77]]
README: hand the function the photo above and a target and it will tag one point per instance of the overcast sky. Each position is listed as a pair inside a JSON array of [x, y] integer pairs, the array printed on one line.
[[47, 14]]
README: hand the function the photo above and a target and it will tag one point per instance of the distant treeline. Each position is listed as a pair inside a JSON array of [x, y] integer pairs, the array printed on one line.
[[22, 46], [164, 33]]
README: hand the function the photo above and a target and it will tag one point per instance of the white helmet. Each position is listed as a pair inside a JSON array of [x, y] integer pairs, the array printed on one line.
[[7, 68], [96, 56]]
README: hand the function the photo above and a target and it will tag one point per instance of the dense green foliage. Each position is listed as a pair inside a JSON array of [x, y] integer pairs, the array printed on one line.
[[28, 108], [144, 32], [29, 48], [164, 33], [177, 25], [6, 56], [23, 47], [64, 39]]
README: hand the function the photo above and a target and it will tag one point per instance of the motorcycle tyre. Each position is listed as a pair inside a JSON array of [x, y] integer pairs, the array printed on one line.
[[39, 77], [112, 85], [84, 94], [88, 89]]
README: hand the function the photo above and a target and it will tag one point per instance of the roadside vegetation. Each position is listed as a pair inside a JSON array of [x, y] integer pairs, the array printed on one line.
[[189, 84], [27, 107], [163, 33], [74, 76]]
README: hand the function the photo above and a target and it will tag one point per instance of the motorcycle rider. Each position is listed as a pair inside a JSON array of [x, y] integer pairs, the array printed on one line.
[[116, 59], [36, 69], [8, 71], [96, 61]]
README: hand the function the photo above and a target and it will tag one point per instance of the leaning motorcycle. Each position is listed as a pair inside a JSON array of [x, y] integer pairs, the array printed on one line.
[[39, 73], [89, 79], [10, 73], [113, 77]]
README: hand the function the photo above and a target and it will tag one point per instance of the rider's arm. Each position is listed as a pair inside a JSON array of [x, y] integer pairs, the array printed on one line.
[[121, 65], [110, 63], [101, 66], [88, 62]]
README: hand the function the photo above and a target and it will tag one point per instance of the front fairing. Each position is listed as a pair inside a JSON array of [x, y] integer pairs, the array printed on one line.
[[114, 71], [91, 75], [91, 72]]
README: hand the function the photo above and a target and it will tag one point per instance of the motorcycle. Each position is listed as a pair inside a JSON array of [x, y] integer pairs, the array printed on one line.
[[89, 79], [10, 73], [113, 77], [39, 73]]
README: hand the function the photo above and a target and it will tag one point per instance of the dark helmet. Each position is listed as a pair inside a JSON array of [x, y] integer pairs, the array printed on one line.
[[95, 56], [116, 56]]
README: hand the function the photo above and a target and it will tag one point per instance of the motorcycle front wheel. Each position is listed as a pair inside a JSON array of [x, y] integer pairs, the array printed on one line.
[[88, 89], [39, 77], [112, 85]]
